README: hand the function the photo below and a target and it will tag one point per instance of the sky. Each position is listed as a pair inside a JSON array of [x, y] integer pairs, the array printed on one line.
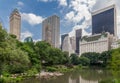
[[74, 14]]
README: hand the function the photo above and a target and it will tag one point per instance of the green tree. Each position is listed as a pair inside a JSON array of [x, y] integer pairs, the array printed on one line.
[[34, 58], [92, 56], [42, 50], [84, 61], [115, 60], [12, 58], [55, 56], [66, 58], [74, 59], [105, 57]]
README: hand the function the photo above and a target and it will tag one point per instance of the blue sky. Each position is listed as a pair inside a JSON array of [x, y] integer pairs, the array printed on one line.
[[74, 14]]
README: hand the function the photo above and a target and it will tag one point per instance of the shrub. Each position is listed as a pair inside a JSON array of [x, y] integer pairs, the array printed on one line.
[[51, 69]]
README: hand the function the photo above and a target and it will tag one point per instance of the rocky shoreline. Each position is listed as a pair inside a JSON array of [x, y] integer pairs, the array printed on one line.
[[47, 75]]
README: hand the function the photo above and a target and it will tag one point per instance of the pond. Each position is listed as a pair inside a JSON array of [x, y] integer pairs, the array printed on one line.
[[81, 76]]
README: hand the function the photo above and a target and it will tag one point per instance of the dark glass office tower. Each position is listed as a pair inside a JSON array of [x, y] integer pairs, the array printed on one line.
[[78, 37], [104, 20]]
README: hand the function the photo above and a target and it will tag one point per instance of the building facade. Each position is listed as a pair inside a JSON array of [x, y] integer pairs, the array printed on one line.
[[66, 44], [104, 20], [73, 43], [51, 31], [15, 23], [78, 37], [96, 43], [115, 44]]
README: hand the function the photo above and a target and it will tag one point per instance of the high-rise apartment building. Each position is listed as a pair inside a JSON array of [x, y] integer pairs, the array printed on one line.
[[51, 31], [15, 23], [104, 20], [78, 37]]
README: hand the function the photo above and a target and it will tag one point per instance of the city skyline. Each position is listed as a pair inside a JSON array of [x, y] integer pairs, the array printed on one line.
[[34, 12]]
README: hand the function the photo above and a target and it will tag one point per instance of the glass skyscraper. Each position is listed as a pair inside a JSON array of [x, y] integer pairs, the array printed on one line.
[[104, 20]]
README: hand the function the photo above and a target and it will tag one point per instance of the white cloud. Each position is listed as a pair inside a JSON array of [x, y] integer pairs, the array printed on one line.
[[69, 16], [43, 0], [37, 40], [62, 2], [20, 3], [25, 35], [80, 15], [31, 18]]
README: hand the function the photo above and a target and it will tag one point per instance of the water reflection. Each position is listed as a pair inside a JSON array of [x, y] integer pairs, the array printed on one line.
[[82, 76]]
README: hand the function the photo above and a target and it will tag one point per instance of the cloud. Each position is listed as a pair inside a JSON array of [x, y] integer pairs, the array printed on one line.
[[25, 35], [37, 40], [43, 0], [62, 2], [19, 3], [31, 18], [80, 15]]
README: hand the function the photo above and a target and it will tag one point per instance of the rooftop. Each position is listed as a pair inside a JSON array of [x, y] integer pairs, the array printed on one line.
[[94, 37]]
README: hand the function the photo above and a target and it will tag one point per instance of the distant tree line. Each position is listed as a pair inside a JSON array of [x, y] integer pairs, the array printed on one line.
[[19, 57]]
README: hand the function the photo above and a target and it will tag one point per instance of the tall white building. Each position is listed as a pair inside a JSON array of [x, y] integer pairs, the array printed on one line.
[[51, 31], [15, 23], [67, 44], [96, 43]]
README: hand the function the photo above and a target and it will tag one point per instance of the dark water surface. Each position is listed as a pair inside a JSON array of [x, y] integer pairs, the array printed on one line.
[[82, 76]]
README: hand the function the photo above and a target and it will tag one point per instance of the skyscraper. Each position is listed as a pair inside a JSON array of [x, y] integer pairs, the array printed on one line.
[[51, 31], [104, 20], [78, 37], [15, 23]]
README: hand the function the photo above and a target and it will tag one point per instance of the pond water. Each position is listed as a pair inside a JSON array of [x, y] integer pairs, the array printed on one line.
[[82, 76]]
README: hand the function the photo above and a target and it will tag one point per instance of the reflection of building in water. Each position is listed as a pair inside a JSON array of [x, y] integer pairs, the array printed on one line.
[[75, 80], [81, 80]]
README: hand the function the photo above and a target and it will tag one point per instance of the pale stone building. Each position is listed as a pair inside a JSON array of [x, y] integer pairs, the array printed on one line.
[[15, 23], [96, 43], [115, 44], [67, 44], [51, 31], [73, 43]]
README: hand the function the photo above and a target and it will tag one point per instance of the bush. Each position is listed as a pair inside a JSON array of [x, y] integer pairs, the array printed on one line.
[[32, 72], [51, 69], [2, 80], [84, 61]]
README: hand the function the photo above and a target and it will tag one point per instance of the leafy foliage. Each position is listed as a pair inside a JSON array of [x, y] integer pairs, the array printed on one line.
[[12, 58]]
